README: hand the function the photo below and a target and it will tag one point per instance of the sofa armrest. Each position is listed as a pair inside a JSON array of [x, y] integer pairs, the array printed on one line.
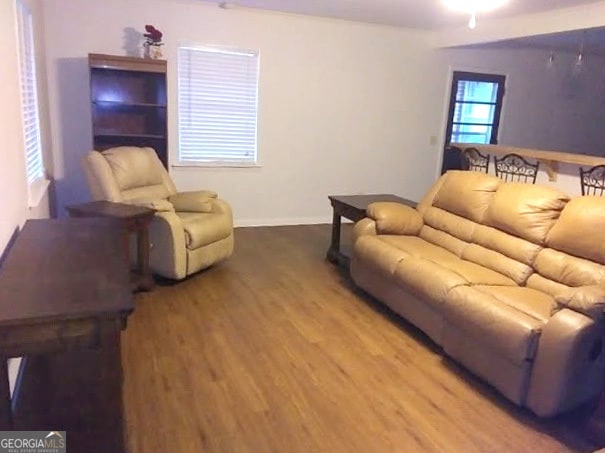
[[193, 201], [365, 227], [395, 218], [589, 300], [569, 363]]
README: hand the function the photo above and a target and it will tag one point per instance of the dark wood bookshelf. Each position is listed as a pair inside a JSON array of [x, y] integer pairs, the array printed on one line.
[[121, 134], [129, 103]]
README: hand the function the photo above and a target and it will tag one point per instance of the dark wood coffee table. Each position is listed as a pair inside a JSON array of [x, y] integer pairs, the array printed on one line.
[[133, 219], [353, 207]]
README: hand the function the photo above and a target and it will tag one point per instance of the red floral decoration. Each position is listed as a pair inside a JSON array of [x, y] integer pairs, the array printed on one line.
[[153, 35]]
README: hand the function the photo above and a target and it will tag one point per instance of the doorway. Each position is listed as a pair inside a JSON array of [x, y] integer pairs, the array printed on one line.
[[473, 114]]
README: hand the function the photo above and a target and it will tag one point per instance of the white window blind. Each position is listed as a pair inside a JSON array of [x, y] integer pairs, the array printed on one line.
[[217, 105], [29, 100]]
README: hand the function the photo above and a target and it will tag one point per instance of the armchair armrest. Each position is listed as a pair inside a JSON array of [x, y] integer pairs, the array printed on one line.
[[395, 218], [168, 253], [589, 300], [193, 201], [159, 205], [221, 207]]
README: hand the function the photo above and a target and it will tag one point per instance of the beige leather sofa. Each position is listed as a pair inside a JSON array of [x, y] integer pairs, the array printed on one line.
[[190, 230], [508, 278]]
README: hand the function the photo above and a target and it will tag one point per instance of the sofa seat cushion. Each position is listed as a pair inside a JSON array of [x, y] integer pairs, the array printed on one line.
[[202, 229], [386, 251], [533, 303], [507, 320], [434, 275], [470, 273], [382, 256], [418, 247], [426, 279], [473, 273]]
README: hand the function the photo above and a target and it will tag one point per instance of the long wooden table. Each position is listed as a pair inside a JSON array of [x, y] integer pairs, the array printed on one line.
[[64, 299]]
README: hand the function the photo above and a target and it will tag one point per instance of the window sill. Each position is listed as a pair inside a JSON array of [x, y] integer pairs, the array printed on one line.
[[37, 190], [215, 165]]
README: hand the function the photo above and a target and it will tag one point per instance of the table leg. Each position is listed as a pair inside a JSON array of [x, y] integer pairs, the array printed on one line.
[[110, 387], [146, 280], [334, 250], [6, 413]]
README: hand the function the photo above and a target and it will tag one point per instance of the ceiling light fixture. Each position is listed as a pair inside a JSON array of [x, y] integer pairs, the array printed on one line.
[[580, 57], [473, 7], [551, 59]]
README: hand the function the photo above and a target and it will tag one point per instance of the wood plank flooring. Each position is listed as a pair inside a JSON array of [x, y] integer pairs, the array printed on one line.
[[275, 350]]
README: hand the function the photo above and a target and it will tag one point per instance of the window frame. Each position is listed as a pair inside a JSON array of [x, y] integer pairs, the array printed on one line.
[[26, 49], [458, 76], [218, 163]]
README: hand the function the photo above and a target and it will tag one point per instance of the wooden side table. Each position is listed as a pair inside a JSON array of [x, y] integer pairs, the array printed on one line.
[[64, 300], [134, 219], [353, 207]]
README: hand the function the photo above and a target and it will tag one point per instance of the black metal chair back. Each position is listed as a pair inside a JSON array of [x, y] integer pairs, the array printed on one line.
[[592, 181], [475, 161], [514, 168]]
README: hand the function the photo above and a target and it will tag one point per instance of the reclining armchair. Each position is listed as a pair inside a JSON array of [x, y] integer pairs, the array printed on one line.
[[190, 230]]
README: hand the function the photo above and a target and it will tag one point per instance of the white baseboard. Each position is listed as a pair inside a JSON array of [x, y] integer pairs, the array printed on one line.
[[284, 222]]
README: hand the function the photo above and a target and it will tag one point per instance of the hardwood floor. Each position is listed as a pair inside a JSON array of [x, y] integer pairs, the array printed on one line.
[[276, 351]]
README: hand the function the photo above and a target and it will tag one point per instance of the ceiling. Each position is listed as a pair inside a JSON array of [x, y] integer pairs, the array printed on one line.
[[426, 14]]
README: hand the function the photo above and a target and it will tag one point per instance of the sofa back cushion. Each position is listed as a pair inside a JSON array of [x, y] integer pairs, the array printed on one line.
[[546, 285], [466, 193], [447, 230], [496, 261], [571, 271], [453, 224], [575, 253], [443, 239], [507, 244], [526, 210], [491, 248], [580, 228], [427, 200]]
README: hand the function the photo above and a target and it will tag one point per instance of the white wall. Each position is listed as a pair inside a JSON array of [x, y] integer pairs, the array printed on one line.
[[344, 107], [13, 186], [550, 108], [13, 189]]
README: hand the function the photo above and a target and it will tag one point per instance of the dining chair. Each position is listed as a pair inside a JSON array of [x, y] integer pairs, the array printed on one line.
[[514, 168], [475, 161], [592, 180]]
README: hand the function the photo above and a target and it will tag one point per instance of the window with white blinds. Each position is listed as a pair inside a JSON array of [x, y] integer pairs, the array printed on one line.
[[217, 106], [29, 101]]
